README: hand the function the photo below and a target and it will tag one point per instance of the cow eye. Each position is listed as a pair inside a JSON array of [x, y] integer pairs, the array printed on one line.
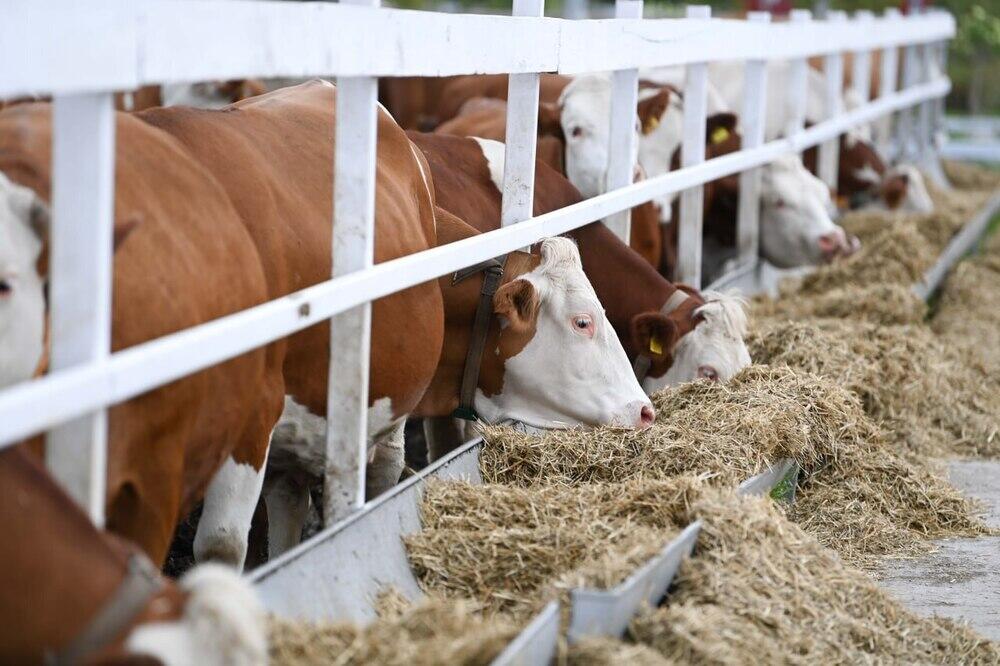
[[577, 131], [583, 324], [779, 203], [6, 288], [708, 372]]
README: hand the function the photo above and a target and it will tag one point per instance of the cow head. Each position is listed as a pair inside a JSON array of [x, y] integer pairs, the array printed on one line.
[[570, 368], [796, 228], [702, 338], [23, 226], [903, 189]]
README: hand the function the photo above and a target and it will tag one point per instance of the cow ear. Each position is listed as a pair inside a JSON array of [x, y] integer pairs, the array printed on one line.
[[517, 302], [650, 110], [654, 335], [719, 127], [893, 190]]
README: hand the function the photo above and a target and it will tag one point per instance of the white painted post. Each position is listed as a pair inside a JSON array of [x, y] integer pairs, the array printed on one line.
[[940, 133], [925, 110], [692, 153], [83, 185], [522, 135], [622, 137], [888, 77], [798, 82], [833, 70], [350, 332], [861, 67], [905, 128], [754, 120]]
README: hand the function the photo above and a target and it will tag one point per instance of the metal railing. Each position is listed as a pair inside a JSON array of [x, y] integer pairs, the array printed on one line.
[[81, 54]]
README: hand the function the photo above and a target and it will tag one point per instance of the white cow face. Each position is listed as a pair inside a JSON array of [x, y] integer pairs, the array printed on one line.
[[796, 227], [23, 222], [916, 198], [585, 118], [714, 350], [573, 370]]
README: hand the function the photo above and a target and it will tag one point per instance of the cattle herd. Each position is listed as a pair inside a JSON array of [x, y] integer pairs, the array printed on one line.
[[218, 210]]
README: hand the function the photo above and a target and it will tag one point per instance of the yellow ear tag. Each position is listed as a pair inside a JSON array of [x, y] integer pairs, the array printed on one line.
[[651, 124], [719, 135], [655, 345]]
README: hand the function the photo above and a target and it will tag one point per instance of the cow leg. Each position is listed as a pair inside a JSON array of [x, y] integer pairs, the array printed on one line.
[[387, 460], [287, 508], [444, 434], [228, 512]]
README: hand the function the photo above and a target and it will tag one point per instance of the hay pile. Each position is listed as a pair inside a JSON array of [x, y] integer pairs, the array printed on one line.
[[760, 588], [880, 303], [608, 651], [512, 548], [930, 400], [436, 631], [967, 176], [858, 495]]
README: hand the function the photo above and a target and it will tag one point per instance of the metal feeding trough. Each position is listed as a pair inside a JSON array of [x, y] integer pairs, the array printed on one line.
[[608, 612], [340, 572], [779, 481], [536, 644]]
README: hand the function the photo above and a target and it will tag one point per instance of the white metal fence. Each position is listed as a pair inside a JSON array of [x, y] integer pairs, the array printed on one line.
[[81, 52]]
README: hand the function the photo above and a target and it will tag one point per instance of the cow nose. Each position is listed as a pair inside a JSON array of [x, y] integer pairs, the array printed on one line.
[[646, 417], [833, 244]]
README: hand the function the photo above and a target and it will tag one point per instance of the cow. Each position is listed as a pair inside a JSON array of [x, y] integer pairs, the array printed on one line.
[[796, 228], [487, 118], [74, 594], [182, 257], [272, 155], [682, 334]]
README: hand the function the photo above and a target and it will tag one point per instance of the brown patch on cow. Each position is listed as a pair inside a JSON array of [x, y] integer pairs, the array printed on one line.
[[454, 94], [855, 156], [673, 327], [893, 190]]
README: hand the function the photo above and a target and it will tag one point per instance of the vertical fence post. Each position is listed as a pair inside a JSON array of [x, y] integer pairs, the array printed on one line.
[[940, 136], [861, 67], [692, 153], [350, 332], [754, 119], [905, 127], [622, 137], [833, 71], [522, 135], [888, 76], [83, 182], [798, 82]]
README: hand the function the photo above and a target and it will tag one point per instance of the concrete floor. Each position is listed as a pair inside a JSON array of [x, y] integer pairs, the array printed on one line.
[[962, 580]]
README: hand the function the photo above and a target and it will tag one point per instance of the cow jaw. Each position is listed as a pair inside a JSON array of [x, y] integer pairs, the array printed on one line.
[[22, 297], [715, 348], [566, 375]]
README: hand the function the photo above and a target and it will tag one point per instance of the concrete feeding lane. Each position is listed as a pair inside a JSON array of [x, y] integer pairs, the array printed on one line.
[[960, 581]]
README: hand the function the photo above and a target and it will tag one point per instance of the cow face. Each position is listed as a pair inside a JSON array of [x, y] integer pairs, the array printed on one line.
[[23, 225], [904, 189], [586, 109], [572, 370], [796, 228], [714, 349]]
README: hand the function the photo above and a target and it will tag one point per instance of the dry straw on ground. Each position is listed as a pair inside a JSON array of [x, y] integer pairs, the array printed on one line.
[[760, 589], [514, 548], [971, 177], [858, 495], [879, 303], [612, 652], [435, 631], [931, 401]]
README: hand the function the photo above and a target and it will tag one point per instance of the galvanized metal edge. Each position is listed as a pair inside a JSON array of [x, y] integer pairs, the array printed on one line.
[[608, 612], [338, 573], [961, 244], [783, 472], [536, 644]]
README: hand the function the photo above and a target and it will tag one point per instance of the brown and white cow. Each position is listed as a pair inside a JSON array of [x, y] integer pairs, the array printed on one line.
[[59, 574], [272, 155], [486, 118], [182, 257], [683, 334]]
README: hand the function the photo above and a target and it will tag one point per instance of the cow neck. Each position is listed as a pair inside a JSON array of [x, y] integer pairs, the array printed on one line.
[[606, 261]]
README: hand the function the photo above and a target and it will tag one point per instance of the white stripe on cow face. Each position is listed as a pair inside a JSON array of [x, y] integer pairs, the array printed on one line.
[[22, 297]]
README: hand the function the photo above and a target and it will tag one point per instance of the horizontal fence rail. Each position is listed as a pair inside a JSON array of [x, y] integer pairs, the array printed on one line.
[[66, 50]]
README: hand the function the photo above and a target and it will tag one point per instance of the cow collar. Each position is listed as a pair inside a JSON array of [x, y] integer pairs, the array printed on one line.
[[492, 270], [141, 583], [642, 361]]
